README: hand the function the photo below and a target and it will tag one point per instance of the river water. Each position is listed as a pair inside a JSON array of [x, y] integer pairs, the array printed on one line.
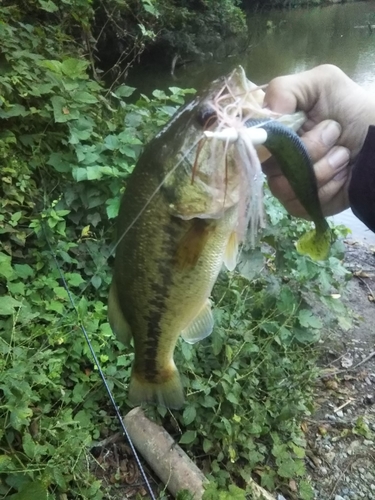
[[298, 40]]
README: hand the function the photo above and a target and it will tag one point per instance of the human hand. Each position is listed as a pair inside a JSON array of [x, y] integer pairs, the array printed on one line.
[[338, 115]]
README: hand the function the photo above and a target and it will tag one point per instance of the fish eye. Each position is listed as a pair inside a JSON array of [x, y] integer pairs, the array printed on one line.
[[206, 116]]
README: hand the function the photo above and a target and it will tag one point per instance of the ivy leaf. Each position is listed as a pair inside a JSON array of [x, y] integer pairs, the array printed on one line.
[[96, 281], [188, 437], [13, 111], [111, 142], [189, 415], [124, 91], [59, 163], [75, 68], [52, 65], [32, 491], [7, 305], [28, 445], [113, 207], [6, 269], [308, 320], [85, 97], [48, 6], [20, 417], [62, 111], [24, 271]]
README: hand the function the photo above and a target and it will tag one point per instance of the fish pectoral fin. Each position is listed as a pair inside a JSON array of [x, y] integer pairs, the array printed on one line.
[[231, 252], [119, 325], [316, 244], [201, 326], [192, 243]]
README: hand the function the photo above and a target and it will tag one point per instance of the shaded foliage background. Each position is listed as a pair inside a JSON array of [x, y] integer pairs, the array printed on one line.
[[67, 144]]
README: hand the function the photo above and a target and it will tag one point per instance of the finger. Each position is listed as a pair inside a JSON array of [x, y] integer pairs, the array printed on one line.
[[321, 138], [286, 94]]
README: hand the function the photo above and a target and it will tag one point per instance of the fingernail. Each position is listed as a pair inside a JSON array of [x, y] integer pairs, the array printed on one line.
[[338, 157], [331, 133]]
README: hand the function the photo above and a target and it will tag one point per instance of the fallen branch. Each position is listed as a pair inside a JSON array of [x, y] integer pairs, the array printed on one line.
[[170, 463]]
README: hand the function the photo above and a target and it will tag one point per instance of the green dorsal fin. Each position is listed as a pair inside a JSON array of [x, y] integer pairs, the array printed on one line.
[[231, 252], [201, 326]]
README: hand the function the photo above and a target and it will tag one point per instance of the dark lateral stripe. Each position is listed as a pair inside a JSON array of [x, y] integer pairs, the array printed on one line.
[[157, 305]]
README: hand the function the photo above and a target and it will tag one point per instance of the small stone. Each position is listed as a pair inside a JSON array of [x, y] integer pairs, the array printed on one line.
[[330, 456], [353, 446], [368, 442], [339, 497], [323, 471], [368, 381], [372, 486], [369, 399]]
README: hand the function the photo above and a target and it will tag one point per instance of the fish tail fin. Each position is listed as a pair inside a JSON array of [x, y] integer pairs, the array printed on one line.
[[316, 243], [167, 392]]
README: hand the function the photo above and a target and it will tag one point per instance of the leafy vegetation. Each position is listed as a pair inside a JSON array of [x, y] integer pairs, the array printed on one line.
[[67, 145]]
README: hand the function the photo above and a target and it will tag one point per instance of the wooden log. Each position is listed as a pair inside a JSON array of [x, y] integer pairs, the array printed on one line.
[[169, 462]]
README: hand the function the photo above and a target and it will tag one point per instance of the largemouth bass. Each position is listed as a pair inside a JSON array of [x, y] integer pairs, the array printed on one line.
[[184, 213]]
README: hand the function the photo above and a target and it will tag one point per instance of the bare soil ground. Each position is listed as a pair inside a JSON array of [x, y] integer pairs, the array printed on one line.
[[341, 433]]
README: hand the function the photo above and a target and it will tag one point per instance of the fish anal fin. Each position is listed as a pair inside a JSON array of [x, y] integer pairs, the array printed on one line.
[[231, 252], [165, 391], [201, 326], [192, 243], [315, 244], [119, 325]]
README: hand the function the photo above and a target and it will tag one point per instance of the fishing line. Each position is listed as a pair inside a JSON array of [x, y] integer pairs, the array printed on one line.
[[102, 376]]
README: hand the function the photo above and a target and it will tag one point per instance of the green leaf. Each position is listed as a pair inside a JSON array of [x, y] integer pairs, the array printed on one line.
[[113, 207], [6, 269], [52, 65], [74, 68], [96, 281], [24, 271], [207, 445], [308, 320], [48, 6], [14, 110], [74, 279], [124, 91], [28, 445], [62, 111], [32, 491], [111, 142], [20, 417], [6, 463], [16, 288], [59, 163], [8, 305], [188, 437], [85, 97], [189, 415]]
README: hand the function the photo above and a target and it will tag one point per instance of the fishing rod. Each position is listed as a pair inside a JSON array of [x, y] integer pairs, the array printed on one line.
[[101, 373]]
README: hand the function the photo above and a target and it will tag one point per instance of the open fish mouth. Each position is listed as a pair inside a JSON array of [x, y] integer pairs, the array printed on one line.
[[236, 150]]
